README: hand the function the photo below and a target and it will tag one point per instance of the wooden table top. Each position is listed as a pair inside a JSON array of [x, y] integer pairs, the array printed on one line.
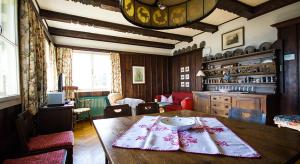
[[276, 145]]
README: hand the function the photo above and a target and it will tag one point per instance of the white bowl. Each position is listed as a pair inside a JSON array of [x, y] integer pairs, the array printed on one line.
[[178, 123]]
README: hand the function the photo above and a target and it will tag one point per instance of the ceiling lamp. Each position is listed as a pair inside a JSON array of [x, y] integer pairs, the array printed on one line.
[[166, 14]]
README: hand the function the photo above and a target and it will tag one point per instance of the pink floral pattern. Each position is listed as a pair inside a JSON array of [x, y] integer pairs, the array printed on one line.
[[209, 137]]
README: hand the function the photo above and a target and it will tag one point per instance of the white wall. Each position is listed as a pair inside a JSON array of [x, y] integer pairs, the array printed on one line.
[[257, 30]]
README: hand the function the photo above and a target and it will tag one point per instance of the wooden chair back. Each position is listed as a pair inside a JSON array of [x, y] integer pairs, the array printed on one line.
[[247, 115], [117, 111], [25, 128], [147, 108]]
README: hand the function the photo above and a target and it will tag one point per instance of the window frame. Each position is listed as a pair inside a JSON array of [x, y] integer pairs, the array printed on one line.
[[15, 99]]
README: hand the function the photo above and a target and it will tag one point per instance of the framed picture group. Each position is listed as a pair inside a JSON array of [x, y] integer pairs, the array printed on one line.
[[185, 77]]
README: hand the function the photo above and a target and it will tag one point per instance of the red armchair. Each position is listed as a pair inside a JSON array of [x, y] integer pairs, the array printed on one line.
[[181, 101]]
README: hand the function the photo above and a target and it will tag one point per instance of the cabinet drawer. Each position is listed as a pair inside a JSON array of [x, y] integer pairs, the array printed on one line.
[[223, 106], [219, 112], [223, 99]]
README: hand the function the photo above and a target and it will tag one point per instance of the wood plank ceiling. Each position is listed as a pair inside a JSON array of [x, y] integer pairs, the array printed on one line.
[[76, 25]]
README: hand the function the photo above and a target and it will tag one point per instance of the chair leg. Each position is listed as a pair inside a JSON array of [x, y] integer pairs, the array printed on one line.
[[106, 160], [90, 117]]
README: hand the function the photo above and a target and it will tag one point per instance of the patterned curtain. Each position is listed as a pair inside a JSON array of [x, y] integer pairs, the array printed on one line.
[[64, 66], [116, 73], [32, 59]]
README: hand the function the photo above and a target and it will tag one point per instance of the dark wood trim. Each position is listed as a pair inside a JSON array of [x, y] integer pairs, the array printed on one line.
[[107, 38], [55, 16], [287, 23], [236, 7], [203, 27], [9, 102], [99, 50], [111, 5], [271, 6]]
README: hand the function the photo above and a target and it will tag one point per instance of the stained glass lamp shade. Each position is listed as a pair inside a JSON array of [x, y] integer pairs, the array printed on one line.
[[166, 14]]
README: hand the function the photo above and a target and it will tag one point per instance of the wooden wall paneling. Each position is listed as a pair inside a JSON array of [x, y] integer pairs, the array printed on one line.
[[156, 72], [192, 59], [290, 97], [9, 144], [298, 69]]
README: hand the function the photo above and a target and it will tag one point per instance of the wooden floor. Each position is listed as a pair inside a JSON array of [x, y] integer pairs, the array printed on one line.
[[87, 148]]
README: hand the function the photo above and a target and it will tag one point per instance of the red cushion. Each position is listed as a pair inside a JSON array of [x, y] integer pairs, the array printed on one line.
[[179, 96], [51, 141], [187, 104], [54, 157], [173, 108]]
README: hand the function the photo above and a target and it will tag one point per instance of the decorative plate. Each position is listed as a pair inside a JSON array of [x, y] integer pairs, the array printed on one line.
[[249, 49], [189, 48], [194, 46], [265, 46], [238, 52], [218, 56], [202, 44], [227, 54]]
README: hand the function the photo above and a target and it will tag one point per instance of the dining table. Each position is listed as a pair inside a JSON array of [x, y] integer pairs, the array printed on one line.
[[275, 145]]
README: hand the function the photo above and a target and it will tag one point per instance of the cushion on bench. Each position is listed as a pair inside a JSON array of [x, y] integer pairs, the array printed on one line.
[[54, 157], [51, 141]]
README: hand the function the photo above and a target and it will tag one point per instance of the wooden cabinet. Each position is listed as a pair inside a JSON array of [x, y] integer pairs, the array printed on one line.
[[55, 119], [219, 104], [201, 102]]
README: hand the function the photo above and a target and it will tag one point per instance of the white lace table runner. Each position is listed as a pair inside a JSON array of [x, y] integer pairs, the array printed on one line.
[[209, 137]]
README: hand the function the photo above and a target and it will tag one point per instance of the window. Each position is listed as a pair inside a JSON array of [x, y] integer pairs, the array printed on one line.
[[9, 65], [91, 71], [51, 68]]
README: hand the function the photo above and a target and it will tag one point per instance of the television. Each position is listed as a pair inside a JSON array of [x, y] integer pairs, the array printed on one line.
[[60, 82]]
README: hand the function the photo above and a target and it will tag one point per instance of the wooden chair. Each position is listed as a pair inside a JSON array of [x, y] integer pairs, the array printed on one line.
[[147, 108], [82, 106], [58, 156], [247, 115], [35, 144], [117, 111]]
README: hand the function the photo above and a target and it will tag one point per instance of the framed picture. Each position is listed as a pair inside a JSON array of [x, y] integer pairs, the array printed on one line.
[[181, 69], [234, 38], [187, 84], [182, 84], [181, 77], [138, 75], [187, 69], [187, 76]]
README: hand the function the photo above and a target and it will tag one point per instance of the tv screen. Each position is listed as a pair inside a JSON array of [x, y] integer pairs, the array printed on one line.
[[60, 82]]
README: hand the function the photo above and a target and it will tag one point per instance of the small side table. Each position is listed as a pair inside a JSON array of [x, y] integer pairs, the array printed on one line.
[[162, 106], [53, 119]]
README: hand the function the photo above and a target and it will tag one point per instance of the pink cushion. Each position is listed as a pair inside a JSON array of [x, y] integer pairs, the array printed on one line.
[[179, 96], [158, 97], [51, 141], [54, 157]]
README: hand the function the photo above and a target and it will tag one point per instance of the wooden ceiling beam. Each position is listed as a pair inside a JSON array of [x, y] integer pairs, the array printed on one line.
[[107, 38], [236, 7], [271, 6], [61, 17], [97, 49], [203, 27]]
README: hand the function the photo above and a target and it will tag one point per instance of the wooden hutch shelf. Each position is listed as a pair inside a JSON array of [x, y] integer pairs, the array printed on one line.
[[244, 57]]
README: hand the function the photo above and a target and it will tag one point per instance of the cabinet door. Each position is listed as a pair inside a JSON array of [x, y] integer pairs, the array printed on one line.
[[202, 103], [251, 103]]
